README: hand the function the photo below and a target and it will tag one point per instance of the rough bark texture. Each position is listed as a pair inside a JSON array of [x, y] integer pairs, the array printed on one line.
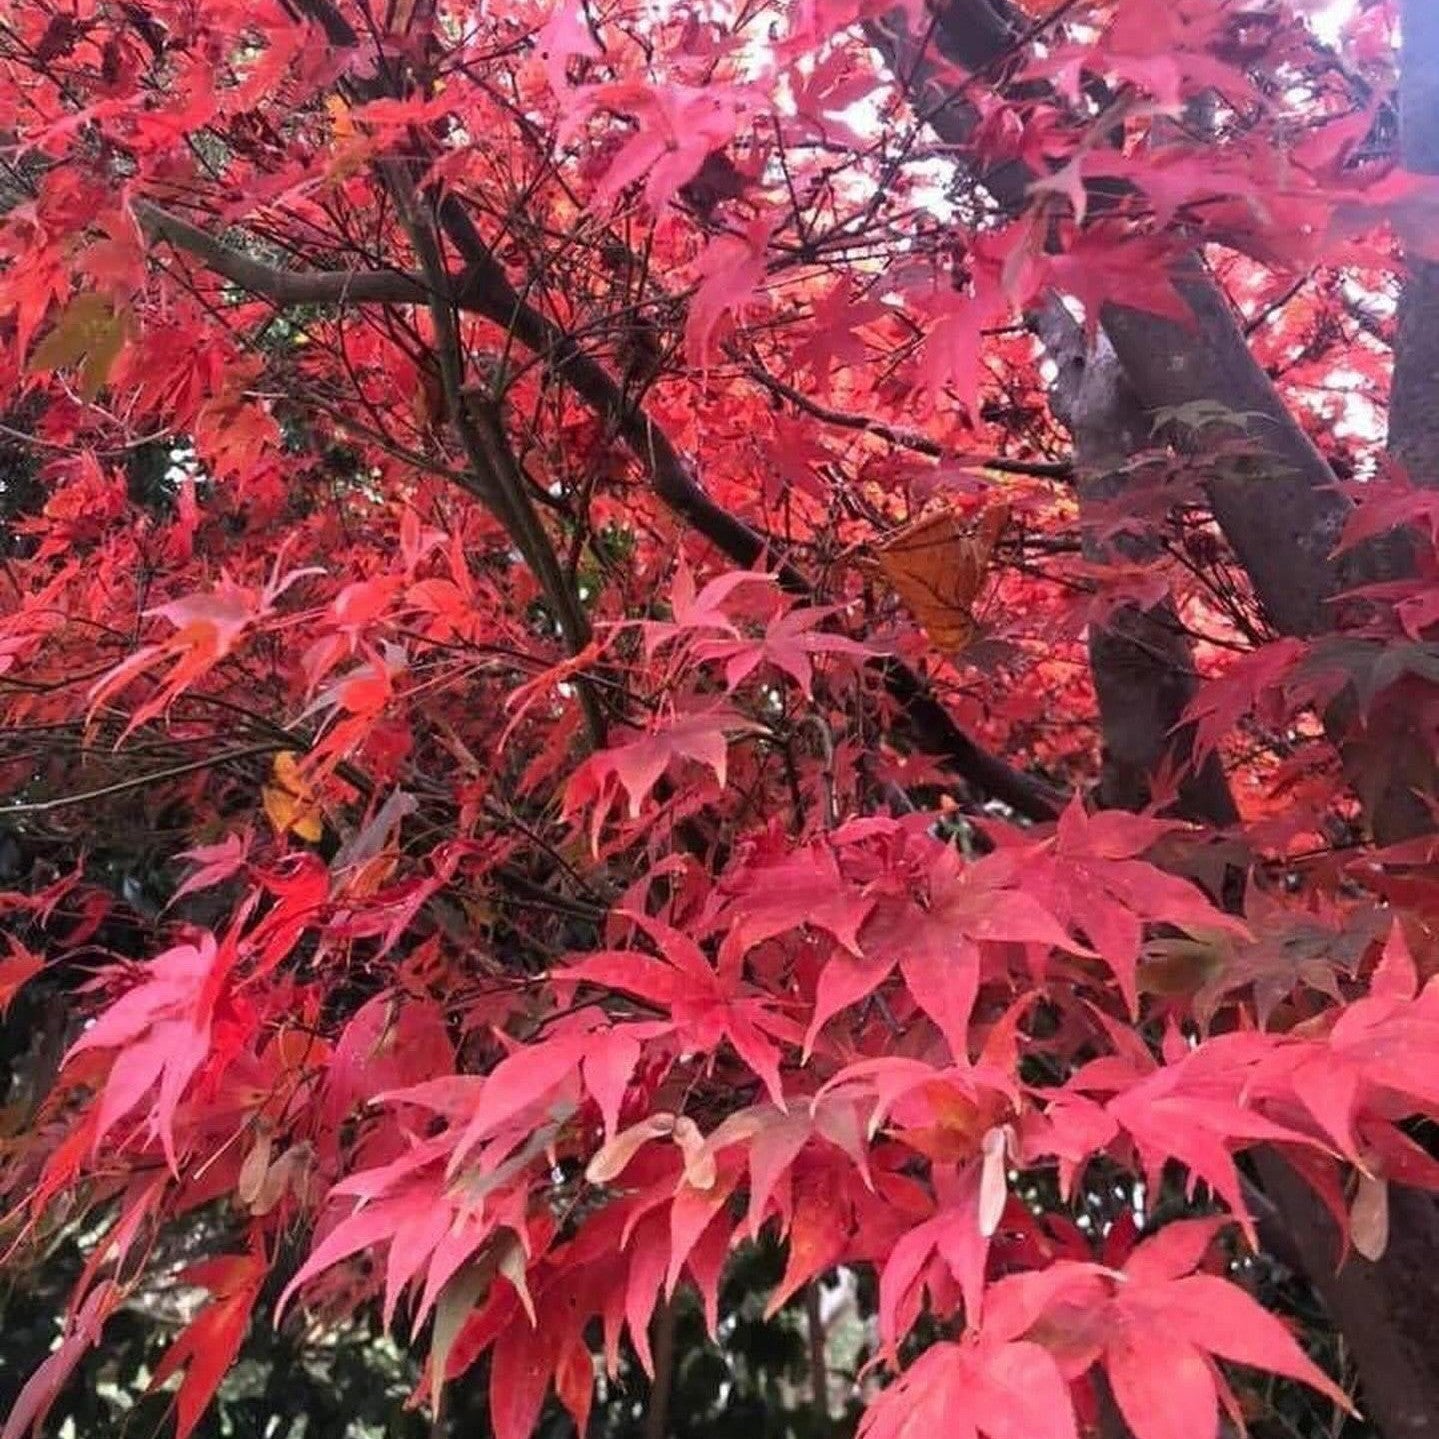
[[1388, 1312], [1413, 415], [1281, 520], [1141, 660], [1282, 523], [1277, 504], [1414, 400], [1400, 812]]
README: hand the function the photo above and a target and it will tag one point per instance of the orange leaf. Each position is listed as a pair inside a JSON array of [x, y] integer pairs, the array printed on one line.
[[937, 567], [17, 969], [88, 336], [290, 802]]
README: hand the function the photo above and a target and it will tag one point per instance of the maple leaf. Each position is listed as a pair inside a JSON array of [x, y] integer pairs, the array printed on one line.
[[216, 863], [1249, 682], [520, 1371], [609, 1065], [1091, 879], [801, 888], [834, 338], [159, 1033], [290, 802], [565, 35], [797, 458], [952, 357], [17, 969], [391, 1043], [91, 334], [818, 1232], [82, 1331], [936, 946], [517, 1084], [1165, 1325], [772, 1139], [1194, 1111], [207, 1346], [706, 1004], [696, 611], [938, 568], [677, 128], [1315, 950], [956, 1236], [992, 1383], [207, 628], [1388, 502], [1370, 1049], [634, 768], [1000, 271], [731, 267], [1102, 264]]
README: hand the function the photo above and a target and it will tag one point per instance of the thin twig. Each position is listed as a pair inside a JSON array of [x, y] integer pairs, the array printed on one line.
[[45, 806]]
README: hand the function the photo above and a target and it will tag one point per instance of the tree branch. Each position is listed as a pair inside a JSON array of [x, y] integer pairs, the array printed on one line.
[[499, 484], [1283, 520], [67, 801], [1282, 524], [1414, 395], [281, 287], [904, 439], [483, 288]]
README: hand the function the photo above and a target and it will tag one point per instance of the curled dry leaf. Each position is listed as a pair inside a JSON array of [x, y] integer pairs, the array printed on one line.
[[253, 1171], [613, 1158], [938, 565], [1369, 1217]]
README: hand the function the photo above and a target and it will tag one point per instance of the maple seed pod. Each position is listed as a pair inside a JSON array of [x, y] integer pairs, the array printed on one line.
[[613, 1158], [993, 1180], [513, 1263], [253, 1171], [1369, 1218], [700, 1171]]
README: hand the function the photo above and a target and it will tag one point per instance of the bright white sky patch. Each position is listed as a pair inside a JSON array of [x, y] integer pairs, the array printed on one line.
[[1330, 18]]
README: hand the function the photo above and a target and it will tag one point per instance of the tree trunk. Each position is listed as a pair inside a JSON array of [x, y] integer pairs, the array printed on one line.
[[1282, 524], [1141, 659], [1413, 411], [1388, 1312], [1409, 730], [1280, 512]]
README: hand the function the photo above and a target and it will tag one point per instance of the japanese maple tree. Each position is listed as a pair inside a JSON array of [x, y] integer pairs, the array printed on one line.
[[630, 631]]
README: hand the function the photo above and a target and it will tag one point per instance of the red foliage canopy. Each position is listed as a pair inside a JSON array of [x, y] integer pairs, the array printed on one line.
[[554, 561]]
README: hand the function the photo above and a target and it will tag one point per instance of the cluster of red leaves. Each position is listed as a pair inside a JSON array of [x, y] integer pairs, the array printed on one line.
[[795, 1003]]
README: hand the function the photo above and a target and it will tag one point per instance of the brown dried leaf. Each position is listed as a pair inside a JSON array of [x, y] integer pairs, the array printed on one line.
[[937, 566], [1369, 1218]]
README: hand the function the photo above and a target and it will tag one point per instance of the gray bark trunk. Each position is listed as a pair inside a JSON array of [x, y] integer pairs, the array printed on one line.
[[1282, 524], [1278, 508], [1282, 520], [1141, 660], [1414, 400], [1399, 811]]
